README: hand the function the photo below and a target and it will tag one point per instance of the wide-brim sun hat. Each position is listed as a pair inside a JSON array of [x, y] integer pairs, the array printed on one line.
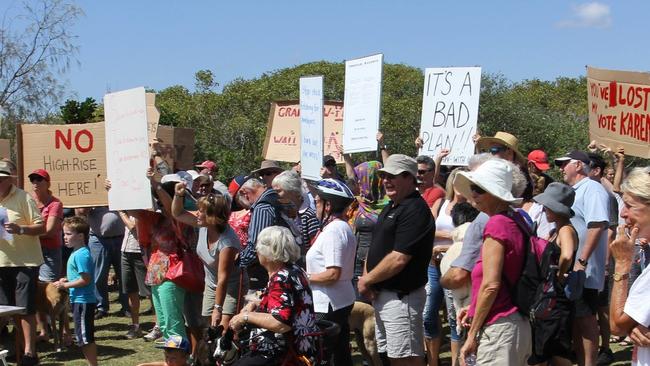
[[557, 197], [494, 176], [267, 165], [501, 138]]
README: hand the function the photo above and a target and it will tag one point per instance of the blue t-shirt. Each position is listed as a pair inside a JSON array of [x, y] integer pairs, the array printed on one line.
[[80, 261]]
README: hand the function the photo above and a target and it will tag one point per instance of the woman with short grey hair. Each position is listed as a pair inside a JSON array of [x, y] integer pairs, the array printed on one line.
[[284, 313]]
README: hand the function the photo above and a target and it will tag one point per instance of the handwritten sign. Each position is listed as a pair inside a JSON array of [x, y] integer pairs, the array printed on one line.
[[153, 116], [619, 110], [362, 103], [73, 155], [311, 126], [449, 112], [283, 131], [127, 149], [176, 146]]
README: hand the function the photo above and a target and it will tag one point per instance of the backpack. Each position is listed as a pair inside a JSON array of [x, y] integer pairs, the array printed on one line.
[[525, 293]]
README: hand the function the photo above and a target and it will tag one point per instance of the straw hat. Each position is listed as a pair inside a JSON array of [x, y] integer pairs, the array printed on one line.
[[494, 176], [501, 138], [267, 165]]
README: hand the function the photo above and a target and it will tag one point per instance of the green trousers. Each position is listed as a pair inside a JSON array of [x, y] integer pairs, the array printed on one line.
[[168, 299]]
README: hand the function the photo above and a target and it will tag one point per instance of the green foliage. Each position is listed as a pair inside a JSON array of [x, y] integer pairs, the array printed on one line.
[[74, 112], [231, 125]]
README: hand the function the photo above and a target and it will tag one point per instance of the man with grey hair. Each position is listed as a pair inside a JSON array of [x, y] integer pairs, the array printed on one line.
[[591, 219], [397, 262], [425, 176], [265, 212], [289, 188]]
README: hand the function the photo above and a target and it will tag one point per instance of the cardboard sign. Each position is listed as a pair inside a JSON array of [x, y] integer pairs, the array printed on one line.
[[127, 150], [362, 103], [449, 112], [73, 155], [311, 126], [5, 148], [176, 146], [619, 110], [283, 131], [153, 116]]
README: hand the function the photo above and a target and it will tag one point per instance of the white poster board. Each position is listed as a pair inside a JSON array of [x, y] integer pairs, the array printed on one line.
[[127, 150], [362, 103], [449, 112], [311, 126]]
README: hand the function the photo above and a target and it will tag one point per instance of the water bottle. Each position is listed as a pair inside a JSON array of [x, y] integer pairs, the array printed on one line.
[[470, 360]]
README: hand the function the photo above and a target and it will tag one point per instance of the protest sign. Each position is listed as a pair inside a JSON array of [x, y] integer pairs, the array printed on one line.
[[176, 145], [74, 156], [127, 150], [311, 126], [5, 148], [362, 103], [283, 131], [449, 112], [619, 112], [153, 116]]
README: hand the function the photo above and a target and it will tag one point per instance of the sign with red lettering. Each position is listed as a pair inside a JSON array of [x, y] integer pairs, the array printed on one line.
[[282, 142], [619, 110], [73, 155]]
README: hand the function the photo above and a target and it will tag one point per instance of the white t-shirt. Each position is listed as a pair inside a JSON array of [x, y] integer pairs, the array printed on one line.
[[637, 307], [335, 246]]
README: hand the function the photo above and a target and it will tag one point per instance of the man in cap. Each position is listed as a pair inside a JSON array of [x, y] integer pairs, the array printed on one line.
[[20, 257], [211, 169], [591, 207], [176, 349], [328, 170], [397, 262]]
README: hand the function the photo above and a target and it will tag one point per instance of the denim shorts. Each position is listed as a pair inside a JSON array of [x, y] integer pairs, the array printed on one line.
[[52, 268]]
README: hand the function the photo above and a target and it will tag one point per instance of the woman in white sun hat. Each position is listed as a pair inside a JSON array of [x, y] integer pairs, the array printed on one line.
[[498, 334]]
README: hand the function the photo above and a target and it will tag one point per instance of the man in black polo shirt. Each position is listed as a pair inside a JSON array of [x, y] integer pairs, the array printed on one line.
[[396, 267]]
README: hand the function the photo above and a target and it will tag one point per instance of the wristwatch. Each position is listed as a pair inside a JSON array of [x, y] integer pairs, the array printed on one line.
[[218, 308], [583, 262], [620, 276], [383, 147], [21, 231]]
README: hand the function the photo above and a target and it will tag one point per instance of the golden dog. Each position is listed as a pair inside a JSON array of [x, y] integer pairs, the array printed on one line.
[[55, 303], [362, 323]]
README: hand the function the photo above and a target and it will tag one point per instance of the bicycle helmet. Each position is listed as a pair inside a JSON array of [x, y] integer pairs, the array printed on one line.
[[335, 191]]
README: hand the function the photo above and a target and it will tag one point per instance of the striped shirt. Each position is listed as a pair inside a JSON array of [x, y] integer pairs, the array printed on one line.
[[262, 216], [309, 226]]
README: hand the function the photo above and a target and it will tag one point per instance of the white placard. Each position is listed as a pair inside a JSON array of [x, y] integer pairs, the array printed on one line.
[[127, 149], [311, 126], [449, 112], [362, 103]]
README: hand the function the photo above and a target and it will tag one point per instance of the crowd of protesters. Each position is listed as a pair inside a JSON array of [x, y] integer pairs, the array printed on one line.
[[276, 255]]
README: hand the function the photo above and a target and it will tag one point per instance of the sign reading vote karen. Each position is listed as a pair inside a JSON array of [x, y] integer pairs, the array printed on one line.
[[449, 112], [73, 155], [619, 110]]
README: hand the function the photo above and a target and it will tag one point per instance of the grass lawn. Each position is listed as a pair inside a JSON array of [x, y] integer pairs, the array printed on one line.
[[115, 350]]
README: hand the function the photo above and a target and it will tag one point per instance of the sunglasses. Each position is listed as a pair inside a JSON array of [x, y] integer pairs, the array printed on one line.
[[476, 189], [497, 149], [266, 174], [384, 175], [36, 179], [205, 185], [423, 172]]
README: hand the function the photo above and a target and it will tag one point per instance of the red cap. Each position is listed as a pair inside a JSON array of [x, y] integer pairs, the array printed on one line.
[[208, 164], [540, 159], [41, 173]]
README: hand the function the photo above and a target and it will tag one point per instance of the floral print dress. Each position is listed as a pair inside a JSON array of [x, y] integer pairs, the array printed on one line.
[[288, 298]]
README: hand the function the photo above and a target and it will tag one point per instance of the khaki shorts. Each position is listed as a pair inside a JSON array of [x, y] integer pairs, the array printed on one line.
[[508, 341], [399, 325], [230, 302]]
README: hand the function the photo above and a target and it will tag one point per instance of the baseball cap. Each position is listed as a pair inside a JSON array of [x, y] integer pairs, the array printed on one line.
[[40, 173], [175, 342], [328, 160], [179, 176], [573, 155], [208, 164], [399, 163], [5, 168], [540, 159]]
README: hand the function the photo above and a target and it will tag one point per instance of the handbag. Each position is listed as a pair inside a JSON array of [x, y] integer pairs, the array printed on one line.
[[185, 267], [574, 284]]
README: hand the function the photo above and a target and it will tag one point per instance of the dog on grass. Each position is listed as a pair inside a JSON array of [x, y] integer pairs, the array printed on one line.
[[55, 303], [362, 323]]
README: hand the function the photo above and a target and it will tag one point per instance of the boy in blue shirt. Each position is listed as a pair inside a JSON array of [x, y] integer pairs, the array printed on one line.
[[80, 274]]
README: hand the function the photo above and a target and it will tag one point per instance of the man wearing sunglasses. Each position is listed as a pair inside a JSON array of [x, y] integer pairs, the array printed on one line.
[[591, 207], [425, 178], [397, 262]]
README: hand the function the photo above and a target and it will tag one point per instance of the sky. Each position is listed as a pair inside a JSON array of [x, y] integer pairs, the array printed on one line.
[[157, 44]]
